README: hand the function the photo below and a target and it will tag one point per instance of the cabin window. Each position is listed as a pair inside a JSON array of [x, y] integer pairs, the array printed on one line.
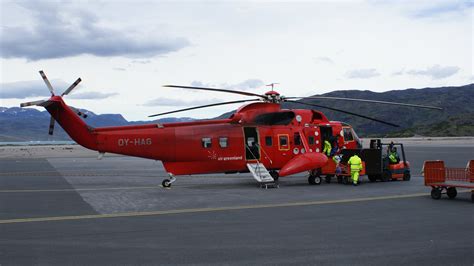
[[283, 140], [297, 138], [348, 134], [223, 142], [206, 142], [268, 141], [311, 140]]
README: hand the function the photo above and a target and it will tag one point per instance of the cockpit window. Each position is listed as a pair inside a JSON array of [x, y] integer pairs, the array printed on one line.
[[348, 134], [277, 118]]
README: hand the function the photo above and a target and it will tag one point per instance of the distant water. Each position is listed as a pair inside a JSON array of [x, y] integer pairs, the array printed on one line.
[[35, 143]]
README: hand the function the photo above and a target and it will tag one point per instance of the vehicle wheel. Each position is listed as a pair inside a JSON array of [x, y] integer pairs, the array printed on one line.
[[452, 192], [386, 176], [166, 183], [328, 178], [436, 193], [314, 180], [275, 175], [339, 179], [372, 178], [472, 196], [406, 176]]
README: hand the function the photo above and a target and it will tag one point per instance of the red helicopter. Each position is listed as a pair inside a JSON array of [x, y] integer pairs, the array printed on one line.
[[259, 137]]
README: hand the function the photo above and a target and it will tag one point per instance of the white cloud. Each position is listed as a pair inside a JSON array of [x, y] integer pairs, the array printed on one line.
[[37, 88], [435, 72], [31, 88], [177, 102], [324, 59], [364, 73], [91, 95], [443, 8], [63, 31], [246, 85]]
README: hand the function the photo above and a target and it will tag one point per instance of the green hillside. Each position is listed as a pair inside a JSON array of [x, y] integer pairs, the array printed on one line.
[[451, 127], [454, 120]]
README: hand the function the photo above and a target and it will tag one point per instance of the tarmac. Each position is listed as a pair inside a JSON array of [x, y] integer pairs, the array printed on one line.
[[60, 205]]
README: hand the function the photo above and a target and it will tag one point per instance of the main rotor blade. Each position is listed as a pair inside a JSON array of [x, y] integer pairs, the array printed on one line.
[[51, 126], [204, 106], [346, 112], [212, 89], [48, 84], [66, 92], [368, 101], [32, 103]]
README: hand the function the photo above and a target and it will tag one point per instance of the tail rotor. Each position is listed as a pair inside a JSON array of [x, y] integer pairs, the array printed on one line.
[[44, 102], [51, 126], [46, 81]]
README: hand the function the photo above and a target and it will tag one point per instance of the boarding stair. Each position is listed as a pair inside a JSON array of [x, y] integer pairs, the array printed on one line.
[[261, 174]]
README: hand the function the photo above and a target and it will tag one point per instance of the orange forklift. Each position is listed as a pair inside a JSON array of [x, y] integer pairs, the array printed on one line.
[[379, 166], [376, 164]]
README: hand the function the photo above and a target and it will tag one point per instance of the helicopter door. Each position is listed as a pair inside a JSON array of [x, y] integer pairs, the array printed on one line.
[[252, 145], [326, 134]]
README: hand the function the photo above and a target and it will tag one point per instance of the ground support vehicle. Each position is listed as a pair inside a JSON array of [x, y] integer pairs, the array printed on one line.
[[344, 176], [379, 166], [376, 164], [441, 178]]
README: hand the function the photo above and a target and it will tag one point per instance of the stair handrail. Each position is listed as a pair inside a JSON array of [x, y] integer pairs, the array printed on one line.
[[258, 162], [266, 155]]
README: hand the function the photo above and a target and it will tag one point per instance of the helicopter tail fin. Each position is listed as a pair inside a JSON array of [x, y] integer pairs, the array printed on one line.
[[71, 122]]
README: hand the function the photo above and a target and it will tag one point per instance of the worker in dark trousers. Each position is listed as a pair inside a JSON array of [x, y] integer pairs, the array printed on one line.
[[335, 147], [356, 166]]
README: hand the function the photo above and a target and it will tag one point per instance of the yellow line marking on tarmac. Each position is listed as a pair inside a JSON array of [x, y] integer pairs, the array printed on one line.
[[76, 189], [201, 210]]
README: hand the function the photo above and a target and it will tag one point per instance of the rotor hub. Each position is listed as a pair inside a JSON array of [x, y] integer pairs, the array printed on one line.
[[273, 96]]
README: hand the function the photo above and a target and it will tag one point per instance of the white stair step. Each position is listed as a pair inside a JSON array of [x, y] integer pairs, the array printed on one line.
[[260, 173]]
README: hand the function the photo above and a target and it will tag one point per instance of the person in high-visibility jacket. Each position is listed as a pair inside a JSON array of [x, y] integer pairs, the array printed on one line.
[[356, 166], [327, 148], [393, 156]]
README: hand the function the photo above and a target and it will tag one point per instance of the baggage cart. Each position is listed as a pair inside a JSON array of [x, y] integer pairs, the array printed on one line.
[[443, 179]]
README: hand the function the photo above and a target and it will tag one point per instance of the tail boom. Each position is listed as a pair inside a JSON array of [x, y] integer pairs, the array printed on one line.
[[74, 126]]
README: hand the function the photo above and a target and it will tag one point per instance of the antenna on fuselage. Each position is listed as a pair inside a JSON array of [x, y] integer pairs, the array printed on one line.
[[272, 84]]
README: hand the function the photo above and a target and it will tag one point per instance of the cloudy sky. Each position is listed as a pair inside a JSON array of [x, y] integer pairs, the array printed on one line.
[[125, 51]]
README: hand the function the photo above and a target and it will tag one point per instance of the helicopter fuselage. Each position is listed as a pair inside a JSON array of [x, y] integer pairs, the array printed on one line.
[[257, 132]]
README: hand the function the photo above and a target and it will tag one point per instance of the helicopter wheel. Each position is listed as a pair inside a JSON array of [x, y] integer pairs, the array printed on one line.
[[275, 175], [166, 183], [314, 180]]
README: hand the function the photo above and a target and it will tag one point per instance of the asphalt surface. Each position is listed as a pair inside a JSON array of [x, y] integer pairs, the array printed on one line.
[[78, 210]]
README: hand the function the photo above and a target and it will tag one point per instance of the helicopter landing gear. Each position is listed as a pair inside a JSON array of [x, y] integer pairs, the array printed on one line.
[[314, 177], [167, 182], [275, 175]]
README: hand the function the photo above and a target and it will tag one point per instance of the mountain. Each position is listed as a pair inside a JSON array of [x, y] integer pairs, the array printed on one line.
[[457, 104], [453, 126], [456, 119]]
